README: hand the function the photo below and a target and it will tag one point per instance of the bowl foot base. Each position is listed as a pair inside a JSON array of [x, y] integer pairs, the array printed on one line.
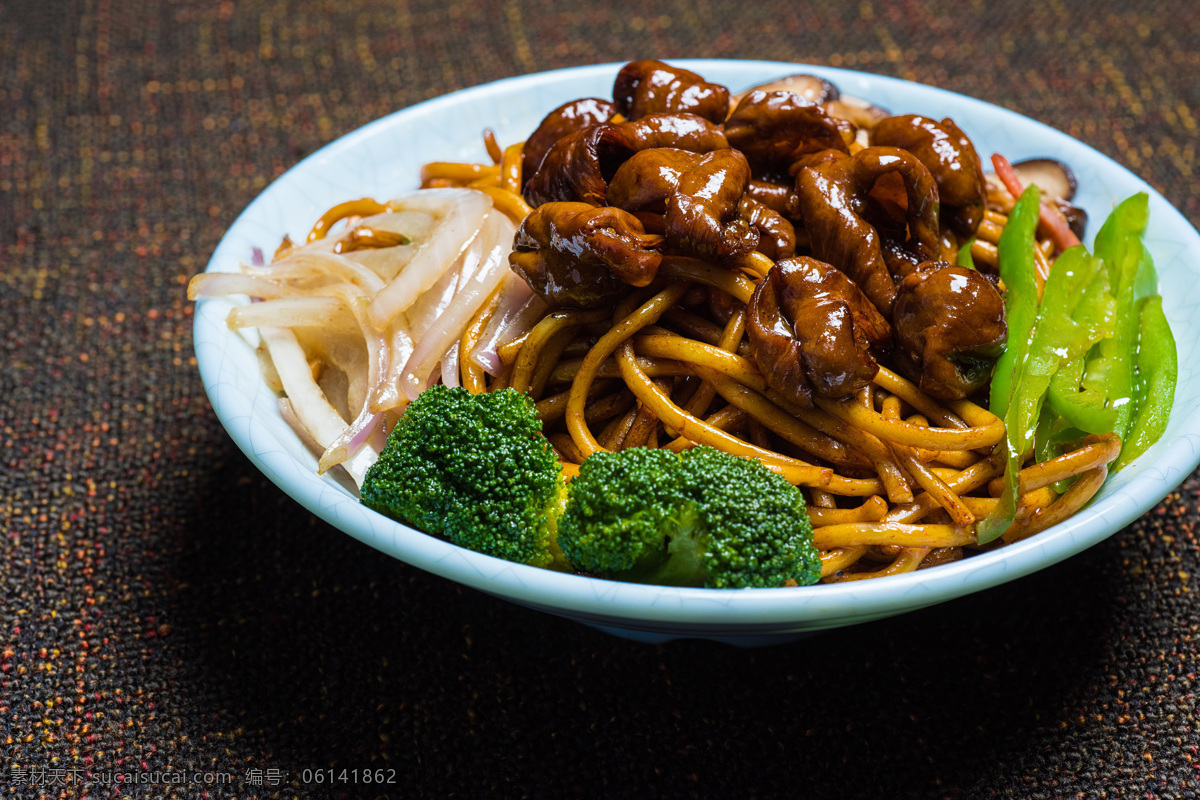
[[749, 640]]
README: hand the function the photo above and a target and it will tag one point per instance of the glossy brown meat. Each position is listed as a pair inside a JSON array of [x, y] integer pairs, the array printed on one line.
[[778, 196], [950, 329], [652, 87], [698, 195], [649, 178], [702, 217], [681, 131], [567, 118], [774, 129], [776, 236], [872, 215], [578, 255], [578, 166], [952, 160], [811, 330]]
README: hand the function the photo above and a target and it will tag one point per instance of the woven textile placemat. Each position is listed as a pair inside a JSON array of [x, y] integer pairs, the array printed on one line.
[[164, 610]]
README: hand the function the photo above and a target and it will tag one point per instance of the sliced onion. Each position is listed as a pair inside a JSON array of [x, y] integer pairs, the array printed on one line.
[[518, 309], [289, 416], [386, 262], [218, 284], [290, 312], [350, 443], [400, 346], [313, 300], [461, 213], [307, 262], [374, 339], [498, 236], [426, 309], [450, 365], [309, 403]]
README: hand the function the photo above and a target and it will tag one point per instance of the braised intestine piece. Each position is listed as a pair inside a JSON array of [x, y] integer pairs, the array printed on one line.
[[698, 195], [652, 87], [680, 130], [952, 160], [949, 329], [581, 256], [811, 330], [775, 129], [779, 197], [872, 215], [566, 119], [702, 217], [578, 167], [649, 178], [776, 236]]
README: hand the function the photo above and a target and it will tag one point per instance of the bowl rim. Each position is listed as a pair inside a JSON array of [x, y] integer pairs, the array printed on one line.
[[655, 607]]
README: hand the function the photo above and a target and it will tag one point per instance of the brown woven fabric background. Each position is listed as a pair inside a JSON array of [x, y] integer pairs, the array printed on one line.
[[163, 607]]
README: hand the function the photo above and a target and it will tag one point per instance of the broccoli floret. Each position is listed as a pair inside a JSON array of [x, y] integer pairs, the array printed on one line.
[[703, 518], [474, 469]]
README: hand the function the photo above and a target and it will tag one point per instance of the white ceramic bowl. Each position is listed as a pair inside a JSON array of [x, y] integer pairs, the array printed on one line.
[[382, 160]]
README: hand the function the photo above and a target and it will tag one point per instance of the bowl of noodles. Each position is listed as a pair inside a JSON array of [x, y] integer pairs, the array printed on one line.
[[386, 158]]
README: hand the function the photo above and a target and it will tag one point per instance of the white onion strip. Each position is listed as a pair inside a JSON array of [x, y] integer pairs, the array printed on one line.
[[309, 403], [411, 325], [426, 309], [289, 416], [291, 312], [400, 346], [350, 441], [450, 365], [497, 237], [217, 284], [460, 212], [518, 308], [304, 263]]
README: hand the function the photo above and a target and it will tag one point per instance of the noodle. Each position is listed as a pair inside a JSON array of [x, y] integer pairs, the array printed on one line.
[[647, 314], [550, 327], [472, 374]]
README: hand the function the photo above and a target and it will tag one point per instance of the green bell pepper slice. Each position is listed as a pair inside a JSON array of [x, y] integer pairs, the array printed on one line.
[[1017, 270], [1110, 370], [1157, 365], [965, 259], [1071, 318]]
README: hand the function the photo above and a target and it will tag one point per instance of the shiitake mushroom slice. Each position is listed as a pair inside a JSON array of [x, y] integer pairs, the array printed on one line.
[[1058, 182], [810, 87], [865, 115], [1050, 175]]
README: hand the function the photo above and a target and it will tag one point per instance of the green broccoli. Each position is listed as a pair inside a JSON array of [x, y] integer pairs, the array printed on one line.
[[703, 518], [476, 470]]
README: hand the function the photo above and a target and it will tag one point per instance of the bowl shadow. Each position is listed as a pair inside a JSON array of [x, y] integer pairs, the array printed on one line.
[[326, 654]]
